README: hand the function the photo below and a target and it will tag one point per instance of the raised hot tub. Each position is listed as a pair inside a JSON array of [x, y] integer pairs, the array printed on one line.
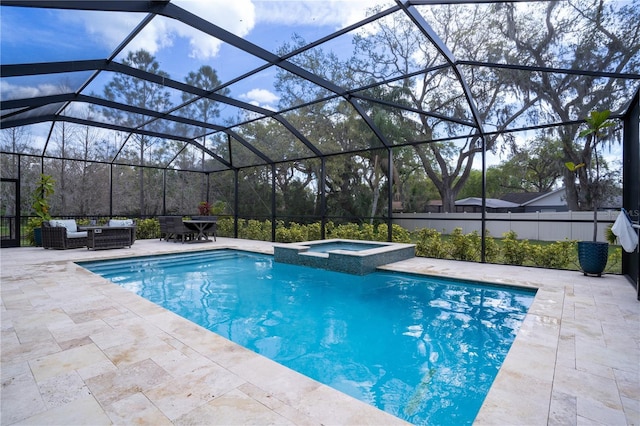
[[349, 256]]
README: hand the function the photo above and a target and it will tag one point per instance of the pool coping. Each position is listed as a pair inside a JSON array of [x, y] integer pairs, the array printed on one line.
[[575, 358]]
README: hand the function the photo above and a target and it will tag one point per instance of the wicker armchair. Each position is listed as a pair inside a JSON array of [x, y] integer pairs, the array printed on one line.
[[62, 234]]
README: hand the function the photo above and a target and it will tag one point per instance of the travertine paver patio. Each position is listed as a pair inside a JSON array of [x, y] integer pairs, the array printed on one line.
[[77, 349]]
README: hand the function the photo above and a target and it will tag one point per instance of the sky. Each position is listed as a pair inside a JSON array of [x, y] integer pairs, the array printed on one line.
[[62, 35], [45, 35], [32, 35]]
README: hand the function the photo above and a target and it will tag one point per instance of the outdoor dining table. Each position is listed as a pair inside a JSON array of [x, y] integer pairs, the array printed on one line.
[[201, 226]]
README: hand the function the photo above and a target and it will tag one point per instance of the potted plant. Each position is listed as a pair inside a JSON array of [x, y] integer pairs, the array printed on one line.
[[204, 208], [40, 196], [207, 209], [592, 255]]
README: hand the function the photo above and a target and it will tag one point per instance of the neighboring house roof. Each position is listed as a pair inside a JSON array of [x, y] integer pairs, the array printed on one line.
[[492, 203], [551, 199], [521, 197], [556, 197]]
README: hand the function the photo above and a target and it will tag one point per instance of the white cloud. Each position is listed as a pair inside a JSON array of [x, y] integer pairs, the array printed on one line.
[[12, 91], [236, 16], [262, 98], [119, 26], [261, 95], [338, 13], [154, 37]]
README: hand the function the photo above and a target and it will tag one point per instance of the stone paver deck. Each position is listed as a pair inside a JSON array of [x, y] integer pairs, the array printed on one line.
[[76, 349]]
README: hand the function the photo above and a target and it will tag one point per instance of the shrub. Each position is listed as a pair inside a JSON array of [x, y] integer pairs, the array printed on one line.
[[283, 235], [380, 233], [514, 252], [430, 244], [464, 247], [347, 231], [615, 261], [298, 232], [147, 228], [292, 234], [609, 235], [491, 249], [83, 221], [254, 230], [566, 252], [313, 231], [328, 228], [400, 235], [556, 255], [225, 227], [242, 224], [367, 232]]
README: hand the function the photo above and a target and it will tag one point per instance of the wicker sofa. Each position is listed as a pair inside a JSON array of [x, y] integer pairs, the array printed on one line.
[[65, 233], [62, 234]]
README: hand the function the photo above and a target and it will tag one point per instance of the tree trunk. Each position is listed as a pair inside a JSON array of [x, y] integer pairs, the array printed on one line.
[[376, 188], [571, 190], [448, 199], [398, 194], [374, 203]]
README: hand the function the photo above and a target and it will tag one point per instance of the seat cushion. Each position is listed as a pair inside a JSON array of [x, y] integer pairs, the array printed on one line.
[[121, 222], [70, 224], [77, 234]]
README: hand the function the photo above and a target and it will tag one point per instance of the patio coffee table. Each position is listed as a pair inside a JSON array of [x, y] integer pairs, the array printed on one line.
[[107, 237]]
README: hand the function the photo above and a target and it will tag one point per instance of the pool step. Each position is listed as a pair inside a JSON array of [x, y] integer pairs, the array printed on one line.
[[105, 267]]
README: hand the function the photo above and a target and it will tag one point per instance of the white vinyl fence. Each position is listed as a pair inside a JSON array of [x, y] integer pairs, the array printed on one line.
[[552, 226]]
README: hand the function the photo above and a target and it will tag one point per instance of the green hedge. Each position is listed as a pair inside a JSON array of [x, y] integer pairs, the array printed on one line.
[[508, 250], [147, 229]]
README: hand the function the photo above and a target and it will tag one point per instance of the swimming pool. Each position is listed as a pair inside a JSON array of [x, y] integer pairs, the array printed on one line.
[[423, 349]]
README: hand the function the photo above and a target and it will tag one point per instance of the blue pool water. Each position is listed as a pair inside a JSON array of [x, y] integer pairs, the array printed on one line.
[[423, 349]]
